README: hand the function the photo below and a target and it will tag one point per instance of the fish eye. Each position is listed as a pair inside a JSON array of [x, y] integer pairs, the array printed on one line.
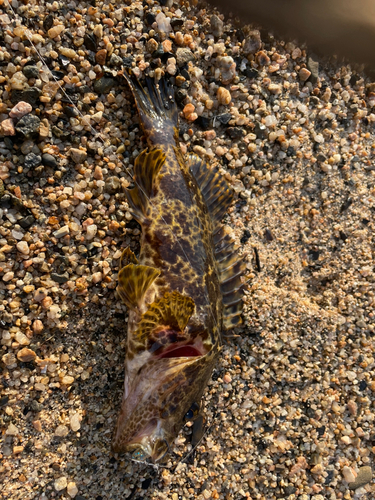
[[193, 412]]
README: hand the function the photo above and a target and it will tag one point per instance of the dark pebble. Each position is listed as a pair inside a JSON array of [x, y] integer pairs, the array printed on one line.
[[127, 62], [59, 75], [84, 89], [181, 95], [250, 72], [32, 160], [103, 85], [31, 71], [60, 278], [290, 151], [204, 122], [48, 22], [6, 201], [146, 483], [4, 400], [314, 101], [268, 235], [28, 126], [150, 18], [245, 237], [90, 42], [343, 236], [8, 142], [260, 130], [177, 23], [224, 118], [288, 490], [30, 95], [27, 221], [235, 132], [71, 111], [49, 160], [313, 66], [64, 61]]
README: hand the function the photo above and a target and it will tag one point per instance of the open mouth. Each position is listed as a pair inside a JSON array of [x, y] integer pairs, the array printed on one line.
[[180, 351]]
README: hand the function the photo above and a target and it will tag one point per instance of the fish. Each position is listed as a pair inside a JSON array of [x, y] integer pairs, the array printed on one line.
[[185, 288]]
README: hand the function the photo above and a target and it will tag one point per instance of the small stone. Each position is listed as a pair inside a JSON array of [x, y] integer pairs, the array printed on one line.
[[304, 74], [252, 43], [188, 110], [92, 229], [30, 95], [67, 380], [364, 477], [262, 58], [32, 160], [56, 30], [8, 276], [75, 422], [101, 56], [349, 474], [17, 450], [115, 60], [72, 489], [20, 109], [60, 233], [61, 483], [49, 160], [183, 56], [40, 387], [37, 425], [217, 26], [23, 247], [9, 359], [48, 22], [78, 155], [313, 66], [11, 430], [44, 129], [31, 71], [38, 326], [60, 278], [235, 132], [28, 126], [61, 431], [103, 85], [223, 96], [7, 127], [112, 185], [26, 355], [90, 42]]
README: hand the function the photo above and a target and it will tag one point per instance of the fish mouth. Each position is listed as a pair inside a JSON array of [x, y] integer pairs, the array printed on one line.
[[149, 443]]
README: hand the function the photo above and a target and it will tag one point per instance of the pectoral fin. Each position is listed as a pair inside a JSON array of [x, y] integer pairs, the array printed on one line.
[[133, 282]]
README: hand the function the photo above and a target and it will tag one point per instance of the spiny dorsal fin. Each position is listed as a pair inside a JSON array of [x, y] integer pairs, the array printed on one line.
[[214, 188], [173, 310], [146, 169], [127, 257], [133, 282]]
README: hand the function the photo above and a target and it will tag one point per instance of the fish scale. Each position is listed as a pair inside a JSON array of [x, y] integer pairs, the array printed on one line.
[[182, 291]]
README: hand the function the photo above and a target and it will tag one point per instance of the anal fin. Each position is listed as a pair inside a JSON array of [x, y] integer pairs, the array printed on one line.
[[133, 282], [146, 169]]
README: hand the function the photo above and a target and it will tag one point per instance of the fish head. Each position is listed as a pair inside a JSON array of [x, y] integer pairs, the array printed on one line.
[[156, 404]]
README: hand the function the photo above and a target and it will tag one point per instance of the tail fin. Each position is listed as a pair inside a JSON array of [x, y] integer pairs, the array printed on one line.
[[156, 107]]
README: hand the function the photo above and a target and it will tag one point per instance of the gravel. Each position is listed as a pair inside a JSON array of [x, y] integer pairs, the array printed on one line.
[[290, 407]]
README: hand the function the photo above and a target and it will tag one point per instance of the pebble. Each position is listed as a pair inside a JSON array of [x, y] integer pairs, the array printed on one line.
[[103, 85], [26, 355], [23, 247], [30, 95], [7, 127], [32, 160], [112, 185], [49, 160], [101, 56], [72, 489], [61, 232], [223, 96], [364, 477], [60, 483], [37, 326], [31, 71], [304, 74], [75, 422], [11, 430], [349, 474], [61, 431], [78, 155], [56, 30], [28, 126], [252, 43], [217, 26], [67, 380], [91, 231], [183, 56], [20, 109]]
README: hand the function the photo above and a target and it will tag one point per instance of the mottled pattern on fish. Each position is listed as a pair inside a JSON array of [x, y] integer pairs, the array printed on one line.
[[184, 288]]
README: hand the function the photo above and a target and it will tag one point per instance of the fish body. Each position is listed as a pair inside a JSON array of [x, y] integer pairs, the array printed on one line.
[[183, 289]]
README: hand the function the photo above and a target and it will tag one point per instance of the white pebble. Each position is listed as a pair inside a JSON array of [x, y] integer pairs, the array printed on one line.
[[61, 483], [23, 247], [75, 422]]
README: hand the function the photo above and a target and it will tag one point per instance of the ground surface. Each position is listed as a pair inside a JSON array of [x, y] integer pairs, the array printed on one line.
[[290, 408]]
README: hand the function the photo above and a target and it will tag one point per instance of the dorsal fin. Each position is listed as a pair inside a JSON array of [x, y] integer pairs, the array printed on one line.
[[146, 169], [173, 311], [133, 282], [214, 188]]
